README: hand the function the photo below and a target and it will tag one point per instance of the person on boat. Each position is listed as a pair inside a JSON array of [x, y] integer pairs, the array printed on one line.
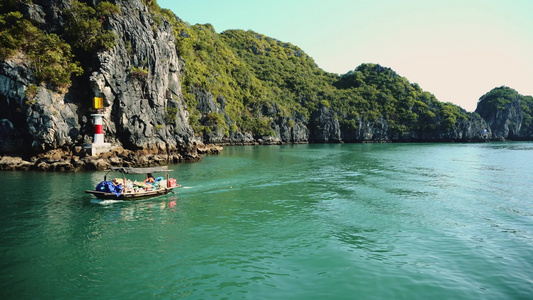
[[149, 178]]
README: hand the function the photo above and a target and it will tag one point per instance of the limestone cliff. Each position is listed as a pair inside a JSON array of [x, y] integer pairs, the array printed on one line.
[[139, 79], [508, 114]]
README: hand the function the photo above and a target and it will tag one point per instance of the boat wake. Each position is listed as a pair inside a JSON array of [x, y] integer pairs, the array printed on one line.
[[105, 202]]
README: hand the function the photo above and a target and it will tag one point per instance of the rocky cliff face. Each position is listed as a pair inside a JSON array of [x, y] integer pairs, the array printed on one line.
[[47, 121], [139, 79], [324, 127], [506, 123], [507, 113], [283, 129]]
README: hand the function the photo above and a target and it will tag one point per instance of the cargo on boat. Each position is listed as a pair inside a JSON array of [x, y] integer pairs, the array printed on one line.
[[126, 189]]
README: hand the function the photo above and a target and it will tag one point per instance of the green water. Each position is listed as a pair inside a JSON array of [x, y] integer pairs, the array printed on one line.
[[352, 221]]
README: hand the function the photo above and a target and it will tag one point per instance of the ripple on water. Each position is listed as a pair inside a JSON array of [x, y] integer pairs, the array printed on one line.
[[368, 221]]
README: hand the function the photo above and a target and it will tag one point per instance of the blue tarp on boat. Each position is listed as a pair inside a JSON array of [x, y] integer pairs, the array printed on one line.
[[109, 187]]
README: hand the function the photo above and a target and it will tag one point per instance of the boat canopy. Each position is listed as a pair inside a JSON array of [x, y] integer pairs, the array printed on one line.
[[130, 170]]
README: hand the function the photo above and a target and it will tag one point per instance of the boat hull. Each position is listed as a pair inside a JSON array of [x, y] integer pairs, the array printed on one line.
[[130, 196]]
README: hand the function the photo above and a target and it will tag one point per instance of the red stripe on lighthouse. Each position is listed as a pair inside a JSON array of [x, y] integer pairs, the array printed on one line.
[[98, 129]]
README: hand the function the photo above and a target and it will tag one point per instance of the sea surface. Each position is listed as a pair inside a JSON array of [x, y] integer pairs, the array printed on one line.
[[328, 221]]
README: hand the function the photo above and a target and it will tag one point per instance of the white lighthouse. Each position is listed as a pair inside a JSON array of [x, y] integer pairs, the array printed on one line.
[[98, 146], [98, 129]]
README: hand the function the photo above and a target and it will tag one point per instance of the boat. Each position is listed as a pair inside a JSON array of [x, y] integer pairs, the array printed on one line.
[[126, 189]]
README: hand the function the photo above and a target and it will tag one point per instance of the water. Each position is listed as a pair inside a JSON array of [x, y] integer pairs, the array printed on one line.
[[352, 221]]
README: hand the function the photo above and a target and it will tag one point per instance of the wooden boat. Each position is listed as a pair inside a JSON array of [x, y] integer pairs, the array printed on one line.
[[125, 189]]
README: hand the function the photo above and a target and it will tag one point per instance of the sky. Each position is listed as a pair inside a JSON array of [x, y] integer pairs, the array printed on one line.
[[457, 50]]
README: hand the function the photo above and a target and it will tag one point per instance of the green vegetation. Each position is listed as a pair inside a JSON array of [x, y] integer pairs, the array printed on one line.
[[170, 115], [84, 27], [498, 98], [527, 111], [212, 66], [31, 91], [49, 55], [263, 80], [226, 65], [282, 74], [139, 73], [372, 91], [501, 97], [158, 127], [215, 121]]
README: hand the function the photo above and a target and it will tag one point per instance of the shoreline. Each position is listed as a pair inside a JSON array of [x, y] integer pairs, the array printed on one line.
[[59, 160]]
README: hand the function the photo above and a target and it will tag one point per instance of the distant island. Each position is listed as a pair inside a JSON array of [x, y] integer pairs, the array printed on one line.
[[172, 91]]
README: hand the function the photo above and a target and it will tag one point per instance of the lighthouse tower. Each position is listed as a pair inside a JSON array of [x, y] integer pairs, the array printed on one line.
[[98, 146]]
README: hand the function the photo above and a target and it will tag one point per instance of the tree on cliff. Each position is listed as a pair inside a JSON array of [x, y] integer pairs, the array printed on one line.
[[50, 56]]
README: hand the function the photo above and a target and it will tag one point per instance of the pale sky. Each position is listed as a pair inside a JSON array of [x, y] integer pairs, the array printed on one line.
[[456, 49]]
